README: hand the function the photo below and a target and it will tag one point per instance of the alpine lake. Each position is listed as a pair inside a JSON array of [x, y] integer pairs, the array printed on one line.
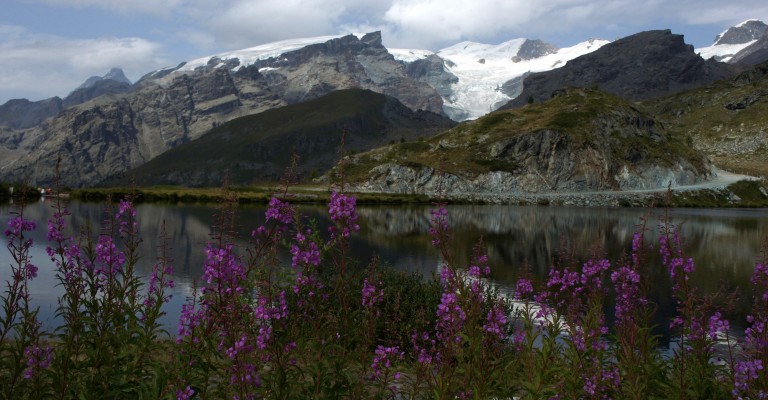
[[519, 241]]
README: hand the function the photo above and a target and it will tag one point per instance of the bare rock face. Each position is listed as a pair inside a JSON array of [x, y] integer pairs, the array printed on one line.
[[534, 49], [754, 54], [22, 113], [113, 133], [743, 33], [641, 66]]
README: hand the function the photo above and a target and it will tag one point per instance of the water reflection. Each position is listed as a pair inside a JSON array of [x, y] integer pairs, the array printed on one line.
[[724, 243]]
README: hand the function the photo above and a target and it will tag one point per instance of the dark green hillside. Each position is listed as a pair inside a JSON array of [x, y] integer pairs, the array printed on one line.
[[580, 140], [258, 147], [727, 120]]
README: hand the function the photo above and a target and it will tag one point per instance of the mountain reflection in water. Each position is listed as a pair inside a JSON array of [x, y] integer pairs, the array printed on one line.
[[517, 239]]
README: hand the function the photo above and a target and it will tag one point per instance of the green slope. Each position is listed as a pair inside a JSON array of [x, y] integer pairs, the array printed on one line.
[[259, 147], [727, 120]]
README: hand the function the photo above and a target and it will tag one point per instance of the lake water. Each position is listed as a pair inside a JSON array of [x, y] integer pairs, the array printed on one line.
[[518, 239]]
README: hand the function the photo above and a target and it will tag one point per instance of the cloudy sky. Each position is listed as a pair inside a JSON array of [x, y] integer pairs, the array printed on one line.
[[49, 47]]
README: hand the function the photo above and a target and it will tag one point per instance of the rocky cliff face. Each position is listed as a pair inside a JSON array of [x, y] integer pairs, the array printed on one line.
[[581, 141], [742, 33], [114, 133], [645, 65]]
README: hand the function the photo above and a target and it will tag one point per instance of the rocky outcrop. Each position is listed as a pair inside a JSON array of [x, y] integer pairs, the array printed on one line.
[[582, 141], [535, 48], [642, 66], [431, 70]]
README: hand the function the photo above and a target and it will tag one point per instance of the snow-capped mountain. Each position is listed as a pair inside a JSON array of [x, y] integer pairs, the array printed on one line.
[[246, 57], [484, 71], [733, 40]]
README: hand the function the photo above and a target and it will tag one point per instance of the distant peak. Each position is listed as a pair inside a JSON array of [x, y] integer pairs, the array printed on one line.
[[114, 74], [744, 32]]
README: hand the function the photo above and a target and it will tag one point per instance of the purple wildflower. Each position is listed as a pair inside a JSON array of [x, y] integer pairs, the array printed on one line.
[[746, 372], [18, 225], [305, 252], [523, 288], [37, 359], [439, 226], [628, 293], [718, 326], [279, 211], [495, 322], [382, 360], [342, 211], [450, 318], [370, 296], [185, 394]]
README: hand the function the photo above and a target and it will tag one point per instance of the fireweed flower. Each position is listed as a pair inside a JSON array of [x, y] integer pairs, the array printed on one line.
[[343, 212], [745, 372], [108, 259], [370, 296], [190, 319], [718, 326], [37, 359], [439, 226], [673, 258], [495, 322], [523, 288], [382, 361], [184, 394], [17, 226], [279, 211], [628, 293], [450, 319], [126, 215], [223, 269], [305, 252], [425, 347]]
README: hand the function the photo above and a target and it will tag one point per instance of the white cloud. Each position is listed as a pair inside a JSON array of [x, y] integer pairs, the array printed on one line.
[[431, 23], [193, 28], [41, 66], [155, 7], [248, 23]]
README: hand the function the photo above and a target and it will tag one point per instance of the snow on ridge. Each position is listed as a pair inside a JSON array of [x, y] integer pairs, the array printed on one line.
[[472, 51], [746, 22], [261, 52], [409, 55], [725, 51]]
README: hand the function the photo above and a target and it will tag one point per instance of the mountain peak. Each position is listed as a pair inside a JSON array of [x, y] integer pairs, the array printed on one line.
[[744, 32], [114, 74]]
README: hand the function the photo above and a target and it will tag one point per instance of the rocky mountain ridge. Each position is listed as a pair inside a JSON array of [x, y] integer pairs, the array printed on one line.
[[116, 132], [100, 136], [641, 66]]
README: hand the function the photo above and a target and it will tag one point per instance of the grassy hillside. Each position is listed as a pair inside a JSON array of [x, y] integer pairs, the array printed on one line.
[[585, 119], [728, 120], [259, 147]]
